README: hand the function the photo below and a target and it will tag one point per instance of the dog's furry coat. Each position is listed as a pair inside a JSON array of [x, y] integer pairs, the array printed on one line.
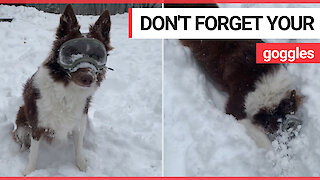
[[255, 91]]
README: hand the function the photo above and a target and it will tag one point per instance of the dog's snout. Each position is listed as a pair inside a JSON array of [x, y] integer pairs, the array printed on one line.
[[83, 77], [86, 79]]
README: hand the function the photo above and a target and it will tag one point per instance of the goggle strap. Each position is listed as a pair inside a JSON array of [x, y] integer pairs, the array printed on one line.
[[110, 68]]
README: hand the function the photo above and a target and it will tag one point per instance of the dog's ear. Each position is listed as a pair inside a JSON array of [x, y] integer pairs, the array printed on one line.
[[293, 94], [297, 99], [68, 23], [101, 29]]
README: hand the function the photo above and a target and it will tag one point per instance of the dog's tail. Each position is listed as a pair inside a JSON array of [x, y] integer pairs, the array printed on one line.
[[22, 132]]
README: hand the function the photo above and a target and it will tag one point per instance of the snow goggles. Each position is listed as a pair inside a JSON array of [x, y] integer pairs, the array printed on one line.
[[83, 53], [291, 124]]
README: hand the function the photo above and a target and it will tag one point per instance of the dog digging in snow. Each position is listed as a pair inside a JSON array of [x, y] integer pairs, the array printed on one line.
[[57, 96], [262, 97]]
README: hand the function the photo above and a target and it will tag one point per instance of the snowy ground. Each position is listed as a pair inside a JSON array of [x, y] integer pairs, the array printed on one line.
[[201, 140], [124, 134]]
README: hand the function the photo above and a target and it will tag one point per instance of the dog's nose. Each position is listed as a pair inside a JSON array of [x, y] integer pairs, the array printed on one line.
[[86, 79]]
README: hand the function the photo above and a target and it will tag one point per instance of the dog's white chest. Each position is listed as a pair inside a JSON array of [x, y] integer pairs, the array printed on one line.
[[59, 112], [60, 107]]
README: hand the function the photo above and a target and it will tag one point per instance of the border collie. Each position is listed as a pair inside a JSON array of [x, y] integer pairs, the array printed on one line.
[[263, 97], [57, 96]]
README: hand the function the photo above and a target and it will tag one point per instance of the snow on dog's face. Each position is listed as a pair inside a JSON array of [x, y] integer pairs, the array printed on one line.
[[86, 72], [274, 103]]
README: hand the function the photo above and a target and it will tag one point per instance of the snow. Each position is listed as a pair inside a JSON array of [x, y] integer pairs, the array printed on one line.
[[124, 134], [76, 57], [84, 65], [201, 140]]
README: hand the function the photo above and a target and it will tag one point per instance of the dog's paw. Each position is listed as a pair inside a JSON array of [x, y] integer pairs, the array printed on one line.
[[28, 170], [82, 164]]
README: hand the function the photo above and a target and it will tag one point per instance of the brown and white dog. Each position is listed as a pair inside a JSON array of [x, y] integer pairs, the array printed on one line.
[[56, 101], [261, 96]]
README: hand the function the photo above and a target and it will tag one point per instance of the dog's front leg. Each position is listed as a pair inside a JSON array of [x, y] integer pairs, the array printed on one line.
[[78, 134], [33, 157]]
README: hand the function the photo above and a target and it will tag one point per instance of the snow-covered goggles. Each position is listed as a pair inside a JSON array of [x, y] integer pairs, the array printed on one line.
[[290, 124], [83, 53]]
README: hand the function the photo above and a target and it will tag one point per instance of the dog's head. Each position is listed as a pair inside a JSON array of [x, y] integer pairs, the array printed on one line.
[[274, 103], [76, 57]]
